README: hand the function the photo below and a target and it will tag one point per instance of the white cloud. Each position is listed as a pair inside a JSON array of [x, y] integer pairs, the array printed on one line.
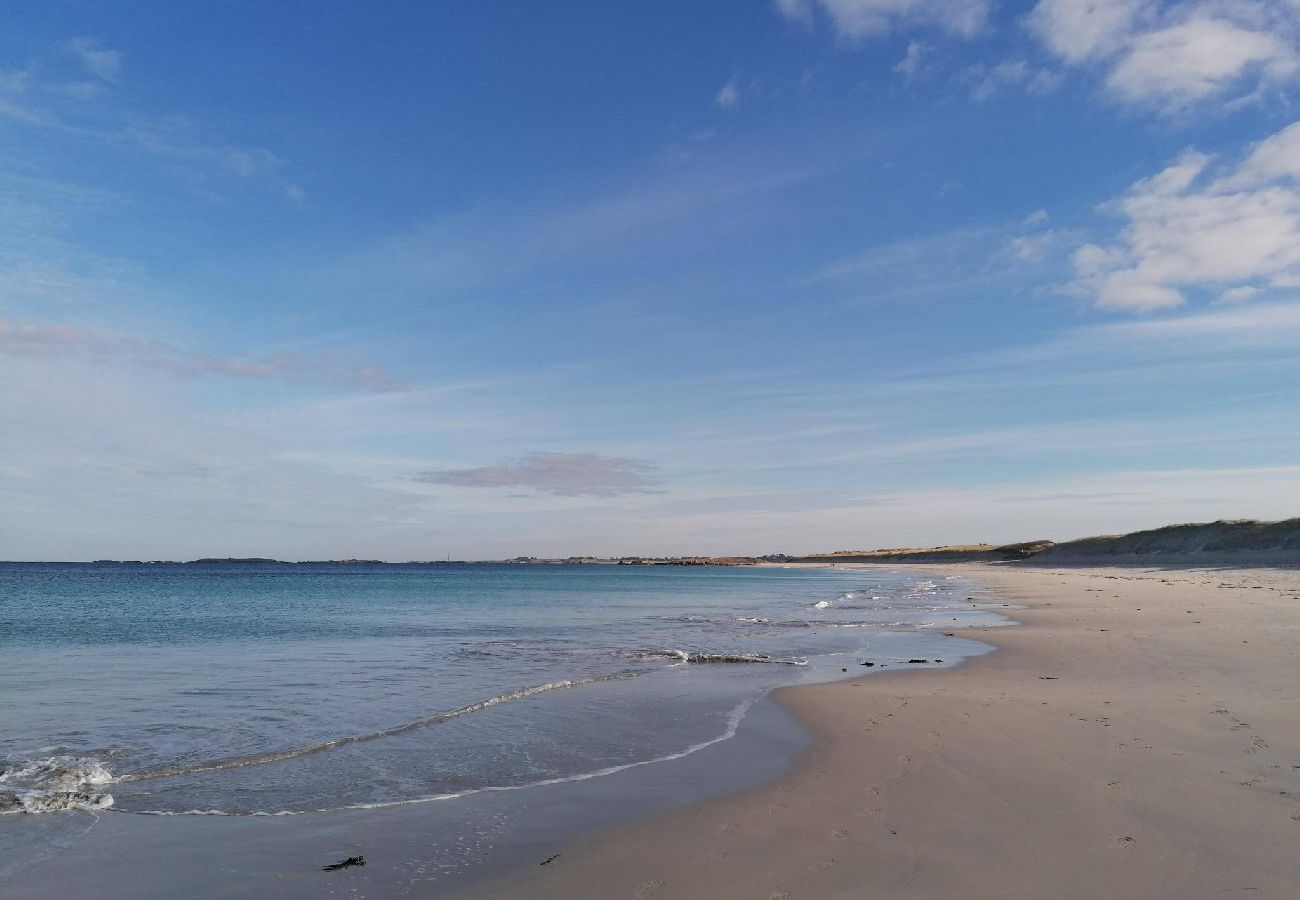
[[1033, 247], [1197, 59], [728, 95], [854, 20], [1169, 56], [988, 81], [1278, 157], [910, 64], [1240, 294], [1187, 231], [1080, 30]]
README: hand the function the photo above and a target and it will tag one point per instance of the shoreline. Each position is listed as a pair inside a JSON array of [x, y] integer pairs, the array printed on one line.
[[432, 846], [1121, 742]]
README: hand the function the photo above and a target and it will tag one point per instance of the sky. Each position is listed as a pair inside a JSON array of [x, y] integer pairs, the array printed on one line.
[[422, 280]]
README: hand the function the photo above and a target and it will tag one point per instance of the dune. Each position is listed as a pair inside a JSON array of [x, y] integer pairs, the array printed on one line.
[[1228, 541]]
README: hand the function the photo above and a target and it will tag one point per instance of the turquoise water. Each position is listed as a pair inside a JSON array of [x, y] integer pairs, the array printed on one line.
[[280, 689]]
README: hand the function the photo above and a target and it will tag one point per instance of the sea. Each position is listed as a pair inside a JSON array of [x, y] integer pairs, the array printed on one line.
[[256, 690]]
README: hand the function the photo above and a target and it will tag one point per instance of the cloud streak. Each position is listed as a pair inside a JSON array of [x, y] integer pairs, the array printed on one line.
[[854, 20], [561, 474], [99, 61], [31, 97], [56, 339]]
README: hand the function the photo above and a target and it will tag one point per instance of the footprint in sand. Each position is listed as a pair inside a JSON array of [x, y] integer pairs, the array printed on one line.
[[648, 889], [840, 834]]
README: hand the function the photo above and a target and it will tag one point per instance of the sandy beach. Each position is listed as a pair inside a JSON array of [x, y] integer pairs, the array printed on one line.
[[1138, 736]]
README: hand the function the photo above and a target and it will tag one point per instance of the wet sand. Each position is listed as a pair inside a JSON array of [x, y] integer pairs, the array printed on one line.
[[1137, 737]]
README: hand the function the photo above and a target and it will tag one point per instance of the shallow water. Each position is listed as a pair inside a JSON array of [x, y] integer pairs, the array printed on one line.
[[236, 690]]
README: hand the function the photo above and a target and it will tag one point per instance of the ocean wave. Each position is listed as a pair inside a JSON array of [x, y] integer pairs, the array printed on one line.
[[894, 625], [38, 801], [259, 759], [906, 607], [846, 597], [689, 656], [830, 623], [734, 719]]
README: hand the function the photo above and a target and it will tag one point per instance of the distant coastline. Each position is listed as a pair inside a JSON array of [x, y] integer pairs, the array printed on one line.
[[1230, 540]]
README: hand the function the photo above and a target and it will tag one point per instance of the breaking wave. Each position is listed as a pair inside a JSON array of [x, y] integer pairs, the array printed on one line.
[[733, 723], [53, 783], [62, 782], [693, 657], [259, 759], [846, 597]]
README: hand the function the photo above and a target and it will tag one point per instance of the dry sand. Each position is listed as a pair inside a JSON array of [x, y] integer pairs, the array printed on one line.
[[1137, 737]]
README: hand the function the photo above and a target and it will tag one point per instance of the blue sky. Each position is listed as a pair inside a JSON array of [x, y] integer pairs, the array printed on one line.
[[320, 279]]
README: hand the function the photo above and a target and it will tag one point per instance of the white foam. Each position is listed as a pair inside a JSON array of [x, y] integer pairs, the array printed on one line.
[[54, 783], [847, 597], [688, 656], [35, 801]]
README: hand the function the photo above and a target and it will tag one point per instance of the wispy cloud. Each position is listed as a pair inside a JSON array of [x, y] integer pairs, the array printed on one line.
[[854, 20], [54, 339], [99, 62], [1275, 324], [728, 95], [910, 65], [1014, 74], [561, 474], [38, 96]]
